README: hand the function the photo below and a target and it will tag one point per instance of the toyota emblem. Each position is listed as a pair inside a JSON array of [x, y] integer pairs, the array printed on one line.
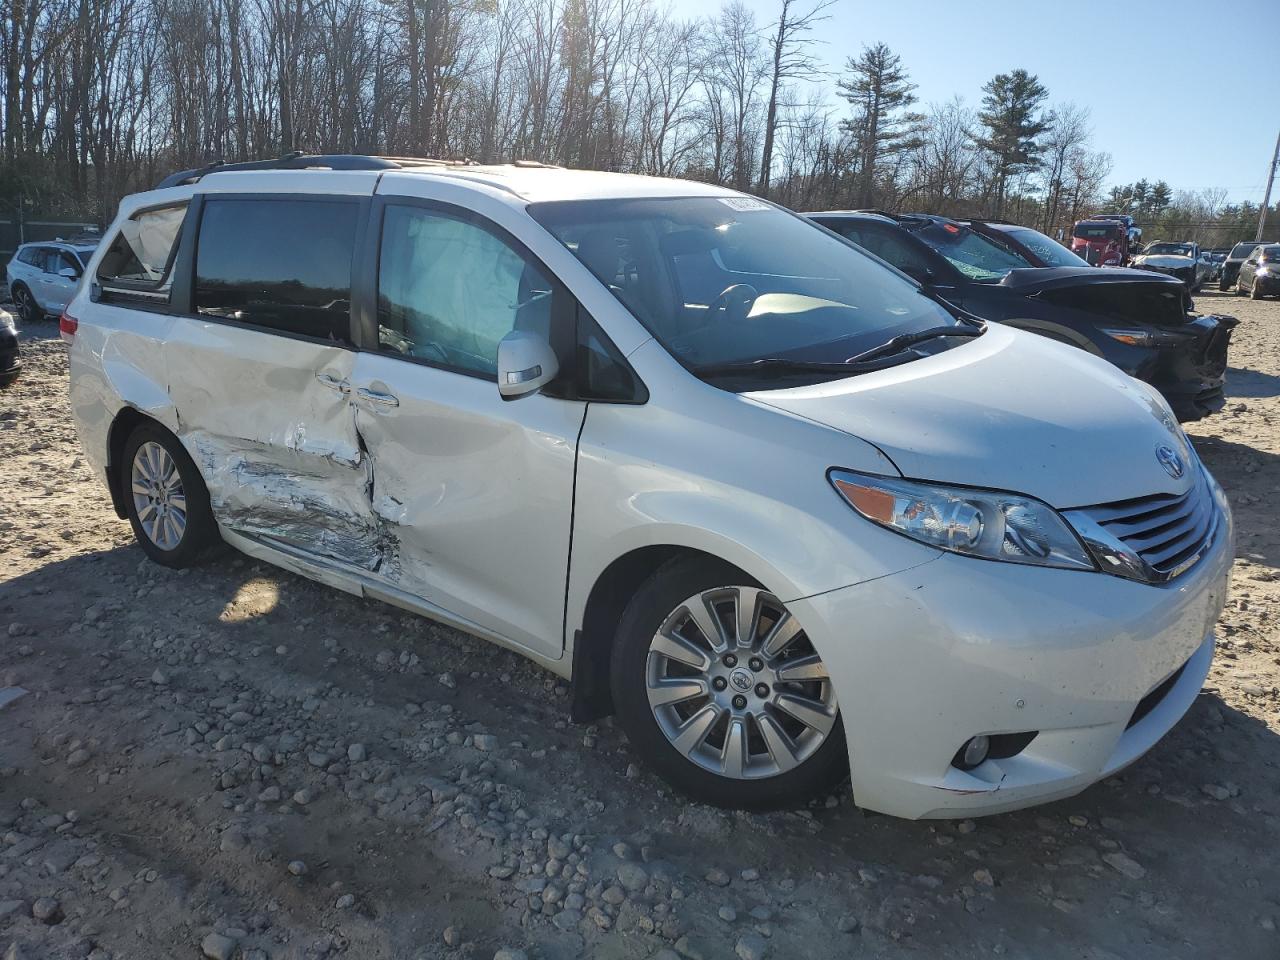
[[1170, 460]]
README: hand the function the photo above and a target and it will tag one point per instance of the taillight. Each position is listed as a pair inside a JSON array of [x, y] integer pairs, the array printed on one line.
[[67, 326]]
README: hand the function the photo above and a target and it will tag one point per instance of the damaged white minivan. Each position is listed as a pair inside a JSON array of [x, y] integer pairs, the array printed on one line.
[[784, 513]]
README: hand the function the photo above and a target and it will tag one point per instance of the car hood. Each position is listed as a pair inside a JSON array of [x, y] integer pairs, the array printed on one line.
[[1008, 411], [1167, 260], [1031, 280]]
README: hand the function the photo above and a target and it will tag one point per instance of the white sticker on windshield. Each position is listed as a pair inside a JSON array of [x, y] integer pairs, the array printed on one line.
[[744, 203]]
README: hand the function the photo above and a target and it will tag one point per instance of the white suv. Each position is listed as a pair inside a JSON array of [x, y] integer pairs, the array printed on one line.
[[753, 490], [41, 277]]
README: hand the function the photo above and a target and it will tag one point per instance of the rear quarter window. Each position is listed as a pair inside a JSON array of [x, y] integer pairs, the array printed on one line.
[[138, 264]]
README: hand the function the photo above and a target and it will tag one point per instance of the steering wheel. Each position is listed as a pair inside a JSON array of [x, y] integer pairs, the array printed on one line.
[[734, 303]]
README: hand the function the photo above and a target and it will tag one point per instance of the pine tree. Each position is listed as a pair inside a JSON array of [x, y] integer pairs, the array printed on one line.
[[1013, 120], [876, 86]]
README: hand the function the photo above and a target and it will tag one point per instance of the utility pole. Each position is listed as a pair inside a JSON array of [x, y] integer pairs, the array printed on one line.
[[1266, 197]]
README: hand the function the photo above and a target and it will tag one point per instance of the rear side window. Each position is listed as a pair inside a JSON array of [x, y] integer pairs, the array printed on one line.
[[32, 256], [280, 264], [885, 242], [449, 290], [138, 263]]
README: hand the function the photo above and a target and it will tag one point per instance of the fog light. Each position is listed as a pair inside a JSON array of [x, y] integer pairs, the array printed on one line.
[[973, 753]]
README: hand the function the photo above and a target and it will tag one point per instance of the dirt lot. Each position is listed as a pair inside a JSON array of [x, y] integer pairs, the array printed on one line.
[[235, 761]]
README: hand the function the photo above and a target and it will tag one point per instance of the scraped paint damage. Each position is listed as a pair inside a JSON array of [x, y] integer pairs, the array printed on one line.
[[310, 495]]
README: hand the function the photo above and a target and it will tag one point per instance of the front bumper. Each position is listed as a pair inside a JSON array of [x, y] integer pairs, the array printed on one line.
[[925, 659], [1268, 285], [1191, 374]]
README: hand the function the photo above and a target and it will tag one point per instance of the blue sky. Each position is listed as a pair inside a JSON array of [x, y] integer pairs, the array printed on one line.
[[1178, 104]]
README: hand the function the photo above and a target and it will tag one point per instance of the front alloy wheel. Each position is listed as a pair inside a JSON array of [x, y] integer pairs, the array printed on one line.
[[720, 689], [735, 685]]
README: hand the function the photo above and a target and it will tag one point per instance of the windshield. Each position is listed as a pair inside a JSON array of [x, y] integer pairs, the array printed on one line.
[[1098, 231], [1050, 252], [729, 279], [1169, 249], [977, 257], [1270, 254], [1241, 251]]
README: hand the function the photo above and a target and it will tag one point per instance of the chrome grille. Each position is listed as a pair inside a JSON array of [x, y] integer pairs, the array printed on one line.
[[1152, 538]]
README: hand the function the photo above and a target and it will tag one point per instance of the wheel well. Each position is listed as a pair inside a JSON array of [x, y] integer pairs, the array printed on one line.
[[593, 643], [123, 425]]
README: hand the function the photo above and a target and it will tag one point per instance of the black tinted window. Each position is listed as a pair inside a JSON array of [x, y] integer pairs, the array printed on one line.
[[886, 242], [283, 264]]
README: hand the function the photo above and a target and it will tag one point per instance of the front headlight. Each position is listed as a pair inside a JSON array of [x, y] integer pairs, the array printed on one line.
[[1268, 271], [977, 523], [1138, 337]]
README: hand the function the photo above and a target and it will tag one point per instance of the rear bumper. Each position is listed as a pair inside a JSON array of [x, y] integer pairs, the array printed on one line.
[[10, 362], [927, 658]]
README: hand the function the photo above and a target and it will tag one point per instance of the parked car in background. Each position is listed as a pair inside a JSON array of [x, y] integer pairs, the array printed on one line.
[[1216, 259], [1260, 272], [783, 511], [41, 277], [1141, 322], [1181, 260], [10, 358], [1036, 248], [1231, 266]]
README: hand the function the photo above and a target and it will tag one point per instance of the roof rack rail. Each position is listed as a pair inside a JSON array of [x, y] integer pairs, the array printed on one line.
[[879, 213], [290, 161]]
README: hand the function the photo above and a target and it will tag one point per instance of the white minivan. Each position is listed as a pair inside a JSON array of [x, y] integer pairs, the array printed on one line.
[[755, 492]]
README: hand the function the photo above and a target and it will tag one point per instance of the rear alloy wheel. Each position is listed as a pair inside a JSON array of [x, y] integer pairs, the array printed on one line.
[[723, 692], [1253, 292], [165, 498], [28, 310]]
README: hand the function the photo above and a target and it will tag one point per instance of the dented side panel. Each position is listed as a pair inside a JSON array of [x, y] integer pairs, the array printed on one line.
[[476, 493], [274, 437]]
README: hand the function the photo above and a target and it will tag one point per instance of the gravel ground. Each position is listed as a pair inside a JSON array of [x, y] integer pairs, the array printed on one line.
[[233, 761]]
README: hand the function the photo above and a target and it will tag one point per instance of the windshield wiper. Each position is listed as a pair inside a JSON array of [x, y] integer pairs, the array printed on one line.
[[782, 366], [901, 342]]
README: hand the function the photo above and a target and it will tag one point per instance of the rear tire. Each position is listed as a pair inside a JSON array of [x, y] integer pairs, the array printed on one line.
[[165, 498], [28, 310], [1253, 292], [737, 743]]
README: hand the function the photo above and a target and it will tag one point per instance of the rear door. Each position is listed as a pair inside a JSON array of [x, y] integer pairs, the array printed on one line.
[[476, 493], [258, 364]]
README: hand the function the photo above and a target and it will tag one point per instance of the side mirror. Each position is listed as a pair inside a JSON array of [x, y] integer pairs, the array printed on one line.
[[526, 364], [69, 273]]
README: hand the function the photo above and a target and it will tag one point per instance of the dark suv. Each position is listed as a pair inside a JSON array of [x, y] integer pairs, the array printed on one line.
[[1140, 321], [1231, 266]]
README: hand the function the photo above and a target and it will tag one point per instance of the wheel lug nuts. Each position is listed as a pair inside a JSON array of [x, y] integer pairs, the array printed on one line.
[[719, 683], [730, 660], [756, 663], [762, 690], [739, 701]]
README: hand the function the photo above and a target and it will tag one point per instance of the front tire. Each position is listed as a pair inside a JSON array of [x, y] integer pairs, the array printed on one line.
[[721, 692], [165, 498]]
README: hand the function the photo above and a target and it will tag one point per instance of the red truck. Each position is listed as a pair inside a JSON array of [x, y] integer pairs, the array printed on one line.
[[1106, 240]]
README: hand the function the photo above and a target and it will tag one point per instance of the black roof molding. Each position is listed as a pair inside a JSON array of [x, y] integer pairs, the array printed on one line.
[[301, 161]]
